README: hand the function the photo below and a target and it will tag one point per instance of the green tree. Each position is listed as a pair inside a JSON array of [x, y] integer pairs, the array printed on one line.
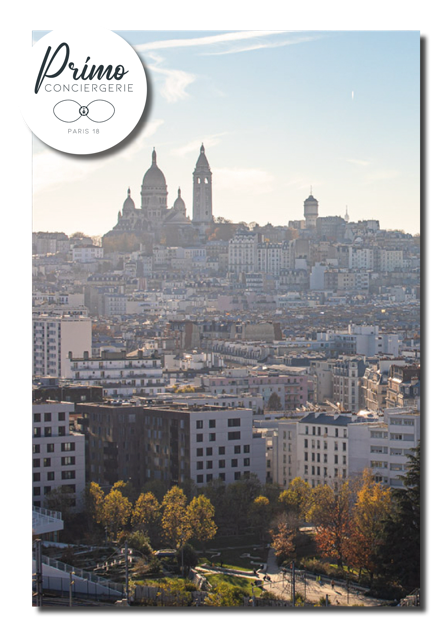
[[297, 497], [274, 402], [224, 595], [260, 514], [400, 552]]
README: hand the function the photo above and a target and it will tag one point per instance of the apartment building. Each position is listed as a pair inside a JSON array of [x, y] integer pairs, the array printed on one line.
[[323, 448], [53, 338], [383, 445], [374, 383], [202, 443], [170, 442], [120, 375], [58, 453]]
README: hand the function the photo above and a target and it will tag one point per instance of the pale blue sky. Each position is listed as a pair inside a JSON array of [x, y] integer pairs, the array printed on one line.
[[278, 112]]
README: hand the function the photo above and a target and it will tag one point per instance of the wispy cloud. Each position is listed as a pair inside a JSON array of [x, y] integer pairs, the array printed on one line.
[[176, 80], [221, 38], [262, 45], [359, 162]]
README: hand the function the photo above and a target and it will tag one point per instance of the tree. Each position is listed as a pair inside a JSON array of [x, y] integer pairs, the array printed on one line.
[[283, 543], [274, 402], [373, 505], [175, 523], [297, 497], [146, 515], [94, 502], [400, 551], [260, 515], [60, 499], [200, 515], [126, 489], [330, 513], [116, 511], [224, 595]]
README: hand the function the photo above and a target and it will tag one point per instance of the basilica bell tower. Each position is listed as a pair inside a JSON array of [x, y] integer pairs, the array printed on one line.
[[202, 191]]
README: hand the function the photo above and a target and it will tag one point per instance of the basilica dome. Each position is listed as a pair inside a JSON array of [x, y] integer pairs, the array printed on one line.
[[154, 177]]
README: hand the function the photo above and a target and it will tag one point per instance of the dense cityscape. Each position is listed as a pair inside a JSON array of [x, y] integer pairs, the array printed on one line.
[[226, 414]]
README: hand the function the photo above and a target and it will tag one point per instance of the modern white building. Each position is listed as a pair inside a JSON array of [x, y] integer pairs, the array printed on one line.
[[58, 453], [119, 374], [384, 444], [53, 338], [223, 445]]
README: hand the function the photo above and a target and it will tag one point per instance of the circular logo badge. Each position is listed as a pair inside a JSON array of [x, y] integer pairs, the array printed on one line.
[[84, 92]]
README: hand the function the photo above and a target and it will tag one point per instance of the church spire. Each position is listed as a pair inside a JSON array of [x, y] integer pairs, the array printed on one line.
[[154, 156]]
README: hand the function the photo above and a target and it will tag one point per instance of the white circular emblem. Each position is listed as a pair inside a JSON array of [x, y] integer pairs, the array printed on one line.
[[84, 92]]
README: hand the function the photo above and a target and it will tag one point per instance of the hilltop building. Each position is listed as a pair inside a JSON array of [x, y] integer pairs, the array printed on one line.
[[155, 220]]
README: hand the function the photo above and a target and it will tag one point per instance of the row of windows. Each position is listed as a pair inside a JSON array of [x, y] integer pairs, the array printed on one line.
[[315, 471], [47, 432], [315, 457], [46, 462], [47, 417], [37, 490], [222, 450], [231, 422], [65, 446], [65, 475], [221, 463], [315, 444], [221, 476], [318, 431]]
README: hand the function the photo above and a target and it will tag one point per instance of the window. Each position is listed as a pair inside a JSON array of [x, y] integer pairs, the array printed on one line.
[[199, 465], [222, 464], [199, 452], [200, 479], [199, 424], [36, 477], [36, 491], [305, 444], [36, 448], [336, 460], [61, 431], [47, 417], [212, 437], [36, 432], [234, 462], [209, 464], [209, 477], [67, 461], [50, 448], [237, 448], [234, 422], [221, 451], [47, 462], [47, 432], [237, 475], [209, 451], [36, 463], [336, 432], [212, 424], [50, 476], [68, 475], [234, 435], [246, 462], [37, 417], [246, 448], [222, 476], [61, 416], [199, 437], [68, 446]]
